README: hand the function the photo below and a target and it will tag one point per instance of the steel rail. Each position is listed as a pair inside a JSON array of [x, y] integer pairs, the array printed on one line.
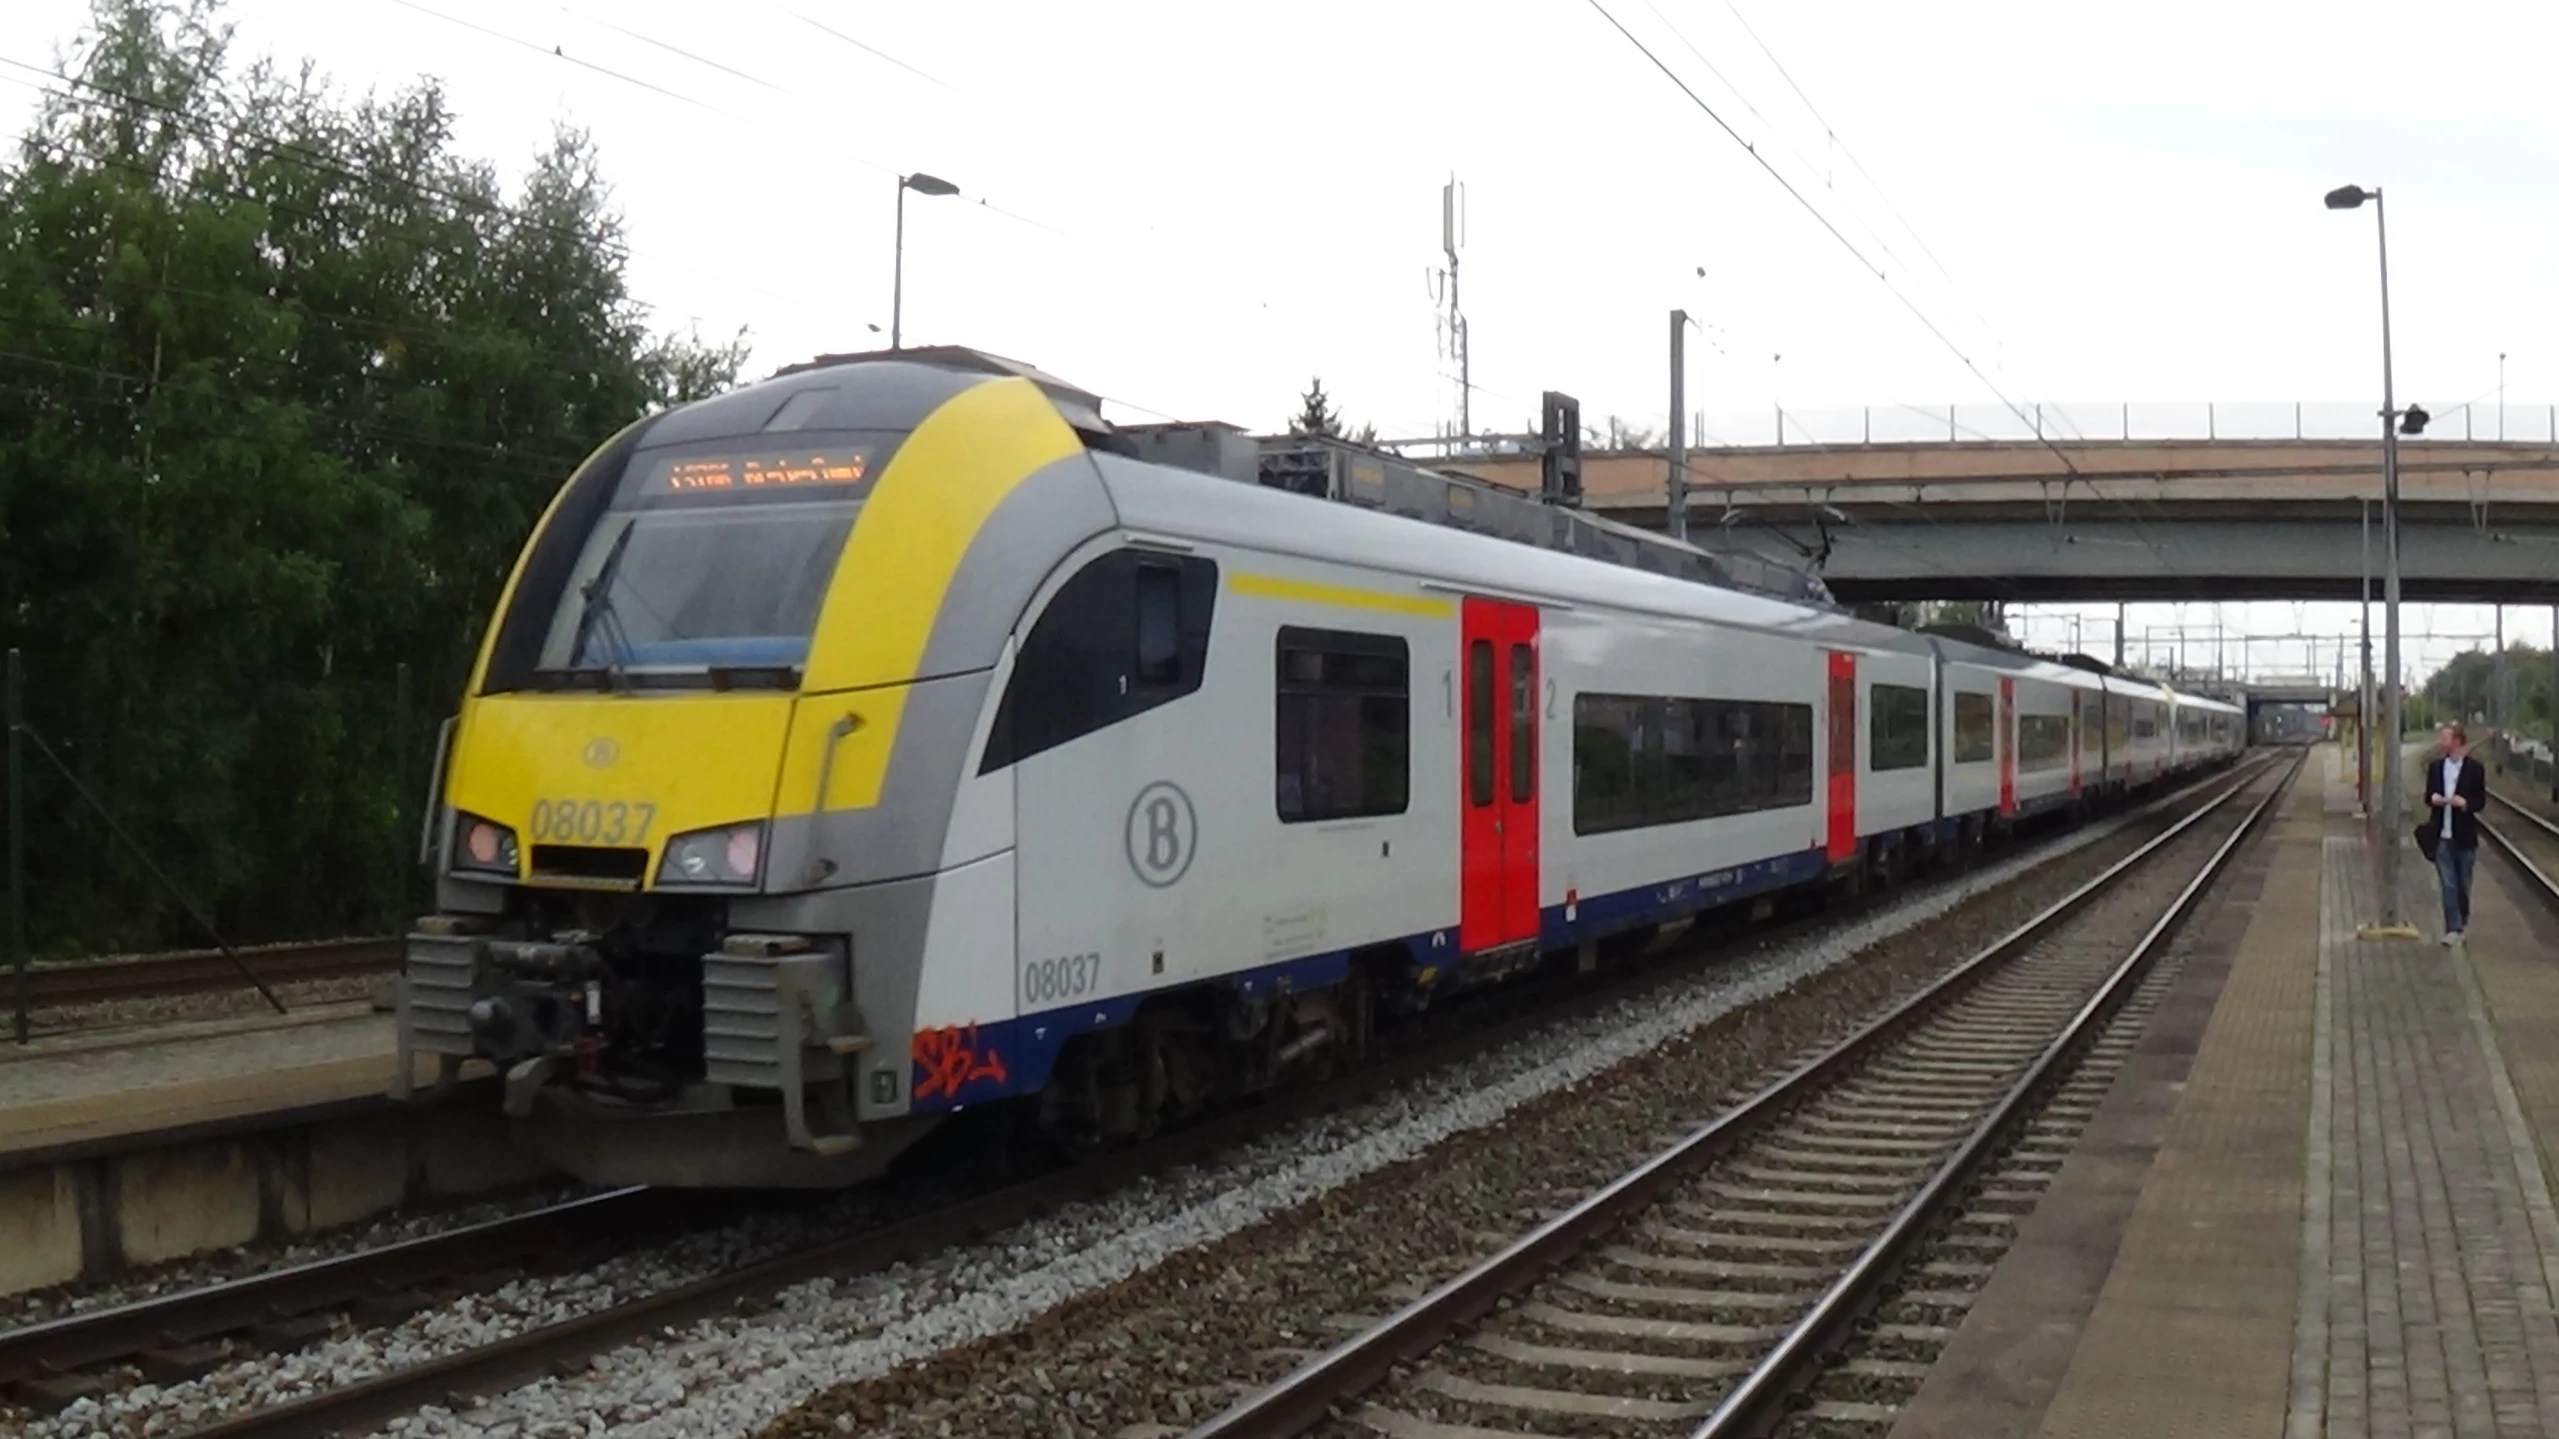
[[79, 1341], [2540, 878], [193, 972], [1754, 1405], [1306, 1397], [536, 1352]]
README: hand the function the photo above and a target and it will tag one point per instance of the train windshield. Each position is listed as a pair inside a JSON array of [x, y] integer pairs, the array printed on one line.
[[706, 572]]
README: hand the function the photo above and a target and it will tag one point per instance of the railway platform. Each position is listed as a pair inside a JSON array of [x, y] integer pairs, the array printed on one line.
[[98, 1086], [2318, 1202], [134, 1145]]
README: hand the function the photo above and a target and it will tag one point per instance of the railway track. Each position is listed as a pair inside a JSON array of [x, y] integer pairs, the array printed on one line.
[[152, 976], [186, 1334], [2537, 833], [1709, 1287], [181, 1335]]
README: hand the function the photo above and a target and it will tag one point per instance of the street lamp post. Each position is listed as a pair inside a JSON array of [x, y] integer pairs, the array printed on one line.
[[1676, 497], [921, 184], [2394, 800], [2363, 678]]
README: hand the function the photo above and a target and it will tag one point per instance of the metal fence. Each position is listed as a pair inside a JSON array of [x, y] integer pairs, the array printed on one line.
[[2525, 760], [1780, 424], [59, 813]]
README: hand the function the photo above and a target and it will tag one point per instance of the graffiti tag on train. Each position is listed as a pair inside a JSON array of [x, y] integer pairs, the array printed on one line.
[[951, 1058]]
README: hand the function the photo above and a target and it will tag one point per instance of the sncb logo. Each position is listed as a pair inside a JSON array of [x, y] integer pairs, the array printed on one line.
[[1161, 834]]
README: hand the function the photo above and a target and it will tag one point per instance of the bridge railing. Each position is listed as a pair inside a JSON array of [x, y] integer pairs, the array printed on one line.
[[2121, 420]]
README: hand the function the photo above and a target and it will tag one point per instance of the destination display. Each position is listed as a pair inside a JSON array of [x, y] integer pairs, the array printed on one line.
[[777, 470]]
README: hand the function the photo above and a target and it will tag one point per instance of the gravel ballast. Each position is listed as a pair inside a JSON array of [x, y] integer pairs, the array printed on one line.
[[199, 1270]]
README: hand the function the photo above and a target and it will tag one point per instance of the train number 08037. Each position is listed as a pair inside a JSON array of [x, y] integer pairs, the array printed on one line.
[[592, 821], [1045, 980]]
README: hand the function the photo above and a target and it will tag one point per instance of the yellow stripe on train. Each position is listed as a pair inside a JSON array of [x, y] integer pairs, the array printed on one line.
[[929, 504], [1273, 587]]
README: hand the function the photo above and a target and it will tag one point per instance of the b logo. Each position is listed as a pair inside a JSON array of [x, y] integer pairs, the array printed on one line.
[[1161, 833], [601, 752]]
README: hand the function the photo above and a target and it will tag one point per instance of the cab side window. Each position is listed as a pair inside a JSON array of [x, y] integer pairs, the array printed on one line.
[[1127, 633]]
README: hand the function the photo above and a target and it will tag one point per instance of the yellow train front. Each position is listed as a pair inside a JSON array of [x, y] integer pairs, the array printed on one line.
[[716, 741]]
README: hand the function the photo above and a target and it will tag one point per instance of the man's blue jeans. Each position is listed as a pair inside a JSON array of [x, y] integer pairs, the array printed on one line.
[[2453, 865]]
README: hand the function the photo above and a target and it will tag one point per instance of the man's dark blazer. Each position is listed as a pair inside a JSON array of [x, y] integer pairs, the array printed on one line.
[[2472, 786]]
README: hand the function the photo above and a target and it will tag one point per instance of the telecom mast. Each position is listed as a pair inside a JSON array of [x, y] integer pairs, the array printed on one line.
[[1452, 320]]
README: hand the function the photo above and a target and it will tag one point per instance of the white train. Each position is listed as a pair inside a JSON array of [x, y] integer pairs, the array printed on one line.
[[1113, 787]]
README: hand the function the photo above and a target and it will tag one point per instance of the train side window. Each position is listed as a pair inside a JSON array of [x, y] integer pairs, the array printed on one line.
[[1343, 725], [1897, 728], [1159, 616], [1643, 760], [1098, 653], [1479, 723], [2043, 741], [1974, 729], [1523, 724]]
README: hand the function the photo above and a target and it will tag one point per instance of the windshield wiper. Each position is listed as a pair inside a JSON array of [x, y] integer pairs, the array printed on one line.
[[598, 609], [752, 677]]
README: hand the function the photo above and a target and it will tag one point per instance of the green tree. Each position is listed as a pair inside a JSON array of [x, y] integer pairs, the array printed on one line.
[[1317, 416], [285, 381], [2469, 688], [1315, 413]]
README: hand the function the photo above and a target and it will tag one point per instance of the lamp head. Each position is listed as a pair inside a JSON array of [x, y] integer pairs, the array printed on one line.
[[2348, 197], [923, 184]]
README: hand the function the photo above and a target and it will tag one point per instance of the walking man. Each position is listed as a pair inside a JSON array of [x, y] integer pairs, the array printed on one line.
[[2457, 786]]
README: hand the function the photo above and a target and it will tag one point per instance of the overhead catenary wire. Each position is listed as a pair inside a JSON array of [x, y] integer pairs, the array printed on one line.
[[1118, 241], [404, 330], [2072, 472], [673, 49], [212, 130], [1737, 93], [1831, 136], [215, 132], [560, 52], [1828, 226], [867, 48]]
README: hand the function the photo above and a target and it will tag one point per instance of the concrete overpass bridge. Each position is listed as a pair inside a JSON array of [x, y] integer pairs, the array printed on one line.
[[2104, 519]]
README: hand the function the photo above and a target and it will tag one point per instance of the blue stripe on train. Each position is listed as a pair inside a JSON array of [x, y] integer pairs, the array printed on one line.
[[973, 1064]]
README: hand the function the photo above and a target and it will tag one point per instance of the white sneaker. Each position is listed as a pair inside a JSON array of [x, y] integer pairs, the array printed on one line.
[[2452, 939]]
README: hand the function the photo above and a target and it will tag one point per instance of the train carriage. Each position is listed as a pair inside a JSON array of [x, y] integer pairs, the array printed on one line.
[[1972, 757], [1896, 741], [2208, 731], [885, 740], [2149, 728]]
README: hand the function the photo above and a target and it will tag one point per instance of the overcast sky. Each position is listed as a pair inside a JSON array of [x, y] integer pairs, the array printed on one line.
[[1203, 204]]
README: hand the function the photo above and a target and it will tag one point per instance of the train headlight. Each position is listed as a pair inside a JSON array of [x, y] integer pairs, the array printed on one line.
[[731, 855], [483, 846]]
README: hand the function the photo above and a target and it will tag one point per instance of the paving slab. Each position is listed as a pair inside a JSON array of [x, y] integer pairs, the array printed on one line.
[[2347, 1228]]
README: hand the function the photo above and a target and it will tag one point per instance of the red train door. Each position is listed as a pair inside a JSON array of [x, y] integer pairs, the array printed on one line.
[[1841, 839], [1497, 780], [2007, 740]]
